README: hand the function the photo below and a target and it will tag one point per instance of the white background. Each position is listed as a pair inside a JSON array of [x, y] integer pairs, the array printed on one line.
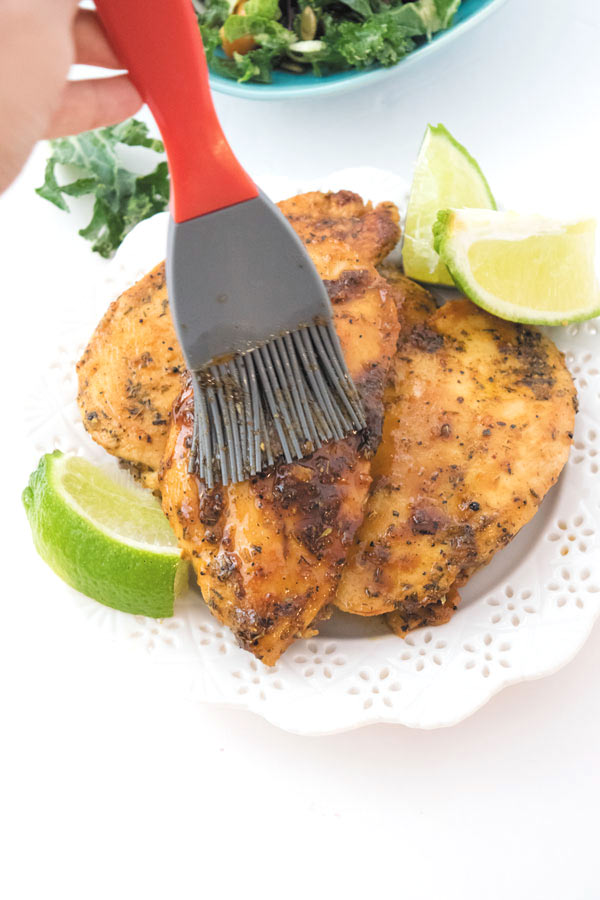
[[113, 785]]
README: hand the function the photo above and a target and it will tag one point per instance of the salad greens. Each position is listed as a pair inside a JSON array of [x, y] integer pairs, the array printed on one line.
[[122, 198], [247, 39]]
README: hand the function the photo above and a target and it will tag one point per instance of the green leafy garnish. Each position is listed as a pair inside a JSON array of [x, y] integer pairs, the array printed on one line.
[[122, 198]]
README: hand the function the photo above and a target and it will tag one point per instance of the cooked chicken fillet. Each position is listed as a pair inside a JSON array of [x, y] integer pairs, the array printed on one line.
[[469, 402], [129, 375], [478, 424], [268, 552], [342, 216], [414, 303]]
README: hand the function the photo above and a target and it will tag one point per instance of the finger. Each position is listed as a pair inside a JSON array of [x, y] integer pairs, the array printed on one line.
[[92, 104], [92, 47]]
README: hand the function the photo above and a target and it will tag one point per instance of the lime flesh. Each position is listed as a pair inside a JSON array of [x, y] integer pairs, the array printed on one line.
[[445, 175], [521, 267], [109, 540]]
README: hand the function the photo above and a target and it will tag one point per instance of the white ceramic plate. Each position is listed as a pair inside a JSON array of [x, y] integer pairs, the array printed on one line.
[[524, 616]]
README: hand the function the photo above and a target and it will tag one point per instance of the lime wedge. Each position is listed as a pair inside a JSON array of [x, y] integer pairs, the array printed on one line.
[[107, 539], [445, 175], [521, 267]]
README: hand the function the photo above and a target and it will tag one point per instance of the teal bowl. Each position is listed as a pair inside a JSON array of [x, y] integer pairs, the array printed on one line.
[[286, 84]]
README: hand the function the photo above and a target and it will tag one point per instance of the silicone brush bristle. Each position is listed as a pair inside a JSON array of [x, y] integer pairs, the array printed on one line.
[[282, 400]]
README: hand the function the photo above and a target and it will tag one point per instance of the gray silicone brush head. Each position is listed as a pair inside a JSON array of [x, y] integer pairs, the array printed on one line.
[[255, 325]]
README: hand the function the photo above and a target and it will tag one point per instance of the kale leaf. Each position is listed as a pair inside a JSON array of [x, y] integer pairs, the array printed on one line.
[[427, 16], [380, 39], [266, 32], [213, 13], [256, 65], [362, 7], [122, 198]]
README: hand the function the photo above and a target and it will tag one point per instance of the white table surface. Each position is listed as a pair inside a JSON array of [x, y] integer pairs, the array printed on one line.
[[114, 786]]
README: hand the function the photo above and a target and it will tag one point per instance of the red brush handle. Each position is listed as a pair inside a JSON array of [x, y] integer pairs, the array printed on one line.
[[159, 42]]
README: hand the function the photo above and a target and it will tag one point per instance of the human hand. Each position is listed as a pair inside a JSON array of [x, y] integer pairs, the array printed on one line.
[[39, 40]]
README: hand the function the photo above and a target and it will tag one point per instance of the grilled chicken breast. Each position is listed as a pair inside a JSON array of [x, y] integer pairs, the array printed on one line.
[[479, 421], [268, 552], [129, 374], [371, 232], [393, 527]]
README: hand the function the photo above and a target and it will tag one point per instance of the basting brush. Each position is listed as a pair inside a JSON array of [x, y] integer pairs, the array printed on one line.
[[252, 315]]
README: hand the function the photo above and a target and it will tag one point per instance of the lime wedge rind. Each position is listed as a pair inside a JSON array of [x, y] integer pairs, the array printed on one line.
[[127, 575], [445, 175], [456, 231], [440, 130]]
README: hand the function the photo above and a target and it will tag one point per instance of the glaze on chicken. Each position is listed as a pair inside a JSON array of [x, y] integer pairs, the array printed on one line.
[[268, 553]]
